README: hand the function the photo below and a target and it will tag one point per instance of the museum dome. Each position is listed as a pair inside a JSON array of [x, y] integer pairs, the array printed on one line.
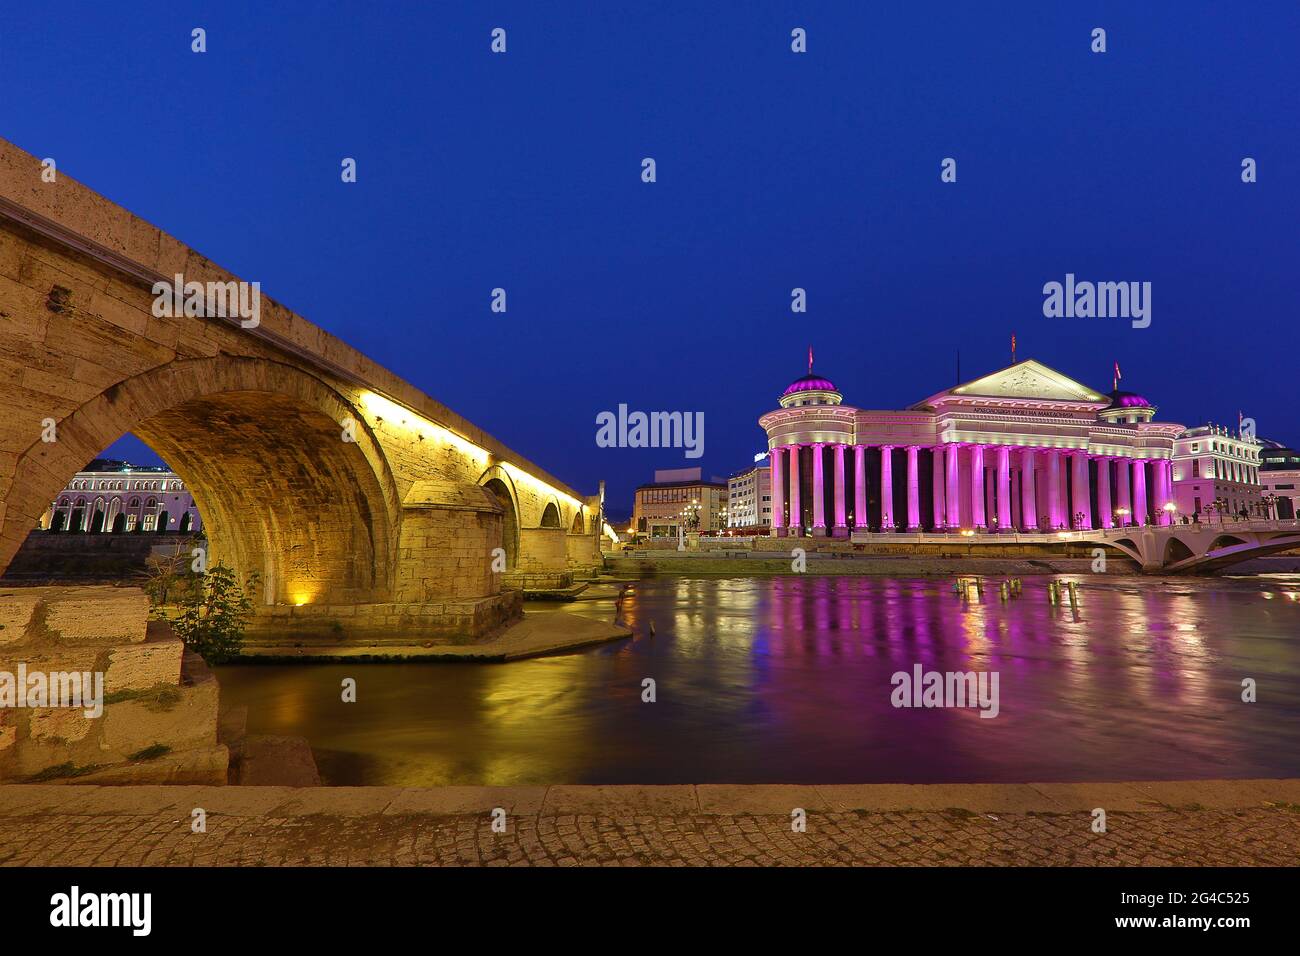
[[811, 390], [810, 383], [1127, 408], [1120, 399]]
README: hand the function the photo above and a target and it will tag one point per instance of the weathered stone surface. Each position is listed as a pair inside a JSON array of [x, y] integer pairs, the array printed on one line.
[[270, 761], [147, 712], [74, 615], [184, 720], [141, 666], [17, 606], [201, 766], [56, 725]]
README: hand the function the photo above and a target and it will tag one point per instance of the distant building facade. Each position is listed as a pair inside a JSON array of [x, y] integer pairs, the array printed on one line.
[[1279, 475], [678, 501], [749, 498], [115, 497], [1216, 471]]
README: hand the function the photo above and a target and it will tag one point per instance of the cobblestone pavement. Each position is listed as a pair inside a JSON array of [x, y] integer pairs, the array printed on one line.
[[1258, 836]]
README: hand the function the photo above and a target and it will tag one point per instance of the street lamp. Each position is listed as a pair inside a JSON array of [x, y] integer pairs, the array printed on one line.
[[1123, 516], [1170, 508]]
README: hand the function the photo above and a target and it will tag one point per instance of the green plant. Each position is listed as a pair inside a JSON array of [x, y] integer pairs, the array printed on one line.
[[158, 699], [212, 619], [67, 769], [151, 753], [167, 576]]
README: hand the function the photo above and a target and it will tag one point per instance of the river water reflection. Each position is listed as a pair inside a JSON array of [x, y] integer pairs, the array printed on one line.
[[787, 679]]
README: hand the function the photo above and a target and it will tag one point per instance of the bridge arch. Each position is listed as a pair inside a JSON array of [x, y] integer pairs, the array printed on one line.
[[1176, 550], [261, 446], [498, 481], [551, 515]]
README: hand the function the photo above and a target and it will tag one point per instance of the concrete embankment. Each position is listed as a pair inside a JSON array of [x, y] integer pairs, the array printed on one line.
[[902, 566], [538, 634]]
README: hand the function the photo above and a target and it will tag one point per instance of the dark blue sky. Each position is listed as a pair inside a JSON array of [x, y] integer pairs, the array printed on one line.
[[775, 170]]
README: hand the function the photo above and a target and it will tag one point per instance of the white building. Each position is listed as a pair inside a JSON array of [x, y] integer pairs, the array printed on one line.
[[749, 498], [114, 497], [1279, 475], [1215, 470]]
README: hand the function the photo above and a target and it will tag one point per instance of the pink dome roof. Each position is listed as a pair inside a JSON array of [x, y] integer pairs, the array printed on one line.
[[1120, 399], [810, 383]]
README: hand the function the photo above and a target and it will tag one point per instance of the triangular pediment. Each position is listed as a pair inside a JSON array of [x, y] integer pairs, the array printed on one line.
[[1027, 380]]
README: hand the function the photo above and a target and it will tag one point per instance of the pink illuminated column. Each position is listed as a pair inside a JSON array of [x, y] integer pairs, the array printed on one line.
[[1123, 499], [953, 486], [913, 488], [1139, 492], [1028, 496], [778, 492], [1103, 491], [1055, 519], [977, 486], [1082, 504], [819, 490], [1169, 477], [936, 455], [841, 524], [1004, 488], [1165, 489], [886, 488], [859, 486], [796, 506]]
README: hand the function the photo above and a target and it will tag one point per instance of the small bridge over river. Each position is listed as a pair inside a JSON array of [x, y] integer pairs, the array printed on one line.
[[1198, 548]]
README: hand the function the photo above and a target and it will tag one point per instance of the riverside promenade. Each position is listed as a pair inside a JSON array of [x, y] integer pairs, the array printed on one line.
[[1198, 823]]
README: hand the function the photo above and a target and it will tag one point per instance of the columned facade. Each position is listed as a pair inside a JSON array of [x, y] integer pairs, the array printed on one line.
[[913, 488], [819, 491], [936, 489], [795, 523], [1028, 492], [1025, 449], [1104, 513], [1140, 514], [777, 458], [841, 525], [860, 486]]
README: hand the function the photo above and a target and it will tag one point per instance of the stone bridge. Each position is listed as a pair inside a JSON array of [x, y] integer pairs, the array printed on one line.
[[1198, 548], [369, 510]]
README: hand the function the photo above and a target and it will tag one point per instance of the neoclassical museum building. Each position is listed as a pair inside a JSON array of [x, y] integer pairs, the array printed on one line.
[[116, 497], [1023, 449]]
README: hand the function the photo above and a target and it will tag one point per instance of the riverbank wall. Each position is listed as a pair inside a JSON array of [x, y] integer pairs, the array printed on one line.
[[93, 691]]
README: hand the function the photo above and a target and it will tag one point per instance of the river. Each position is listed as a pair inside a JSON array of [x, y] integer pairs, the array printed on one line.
[[788, 680]]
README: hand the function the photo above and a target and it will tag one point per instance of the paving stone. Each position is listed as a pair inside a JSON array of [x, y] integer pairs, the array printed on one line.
[[105, 826]]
